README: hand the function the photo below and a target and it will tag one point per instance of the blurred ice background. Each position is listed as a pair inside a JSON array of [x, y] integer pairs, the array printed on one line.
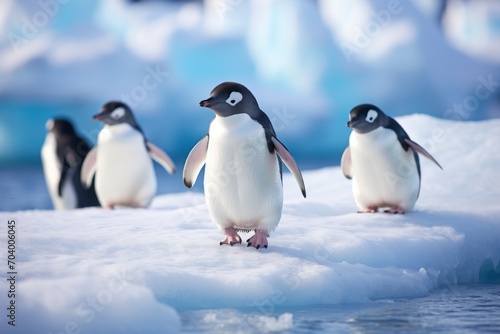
[[308, 63]]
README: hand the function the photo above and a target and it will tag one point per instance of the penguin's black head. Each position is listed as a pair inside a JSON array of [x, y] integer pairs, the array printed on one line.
[[60, 127], [230, 98], [365, 118], [115, 112]]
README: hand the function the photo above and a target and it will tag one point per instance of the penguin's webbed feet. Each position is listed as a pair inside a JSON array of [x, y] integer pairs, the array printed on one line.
[[258, 240], [232, 237], [395, 211]]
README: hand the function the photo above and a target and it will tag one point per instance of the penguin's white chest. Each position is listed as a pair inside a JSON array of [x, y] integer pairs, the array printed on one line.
[[125, 173], [243, 186], [384, 174], [52, 171]]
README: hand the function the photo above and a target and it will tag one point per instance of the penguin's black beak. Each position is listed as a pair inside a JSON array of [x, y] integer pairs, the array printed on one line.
[[206, 103], [351, 124], [99, 117]]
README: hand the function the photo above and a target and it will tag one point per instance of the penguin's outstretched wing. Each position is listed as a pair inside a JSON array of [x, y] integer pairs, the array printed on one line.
[[158, 155], [346, 163], [417, 148], [195, 161], [290, 163], [406, 142], [89, 168]]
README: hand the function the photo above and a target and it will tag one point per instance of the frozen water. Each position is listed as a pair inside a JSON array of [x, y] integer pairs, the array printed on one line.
[[106, 271]]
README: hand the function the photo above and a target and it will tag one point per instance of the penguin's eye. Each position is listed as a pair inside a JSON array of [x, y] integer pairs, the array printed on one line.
[[118, 113], [234, 98], [371, 116]]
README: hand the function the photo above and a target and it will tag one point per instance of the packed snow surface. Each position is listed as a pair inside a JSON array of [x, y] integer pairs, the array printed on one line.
[[131, 270]]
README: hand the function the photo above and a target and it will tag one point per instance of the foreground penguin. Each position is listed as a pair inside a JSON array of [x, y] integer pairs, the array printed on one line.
[[382, 162], [243, 180], [121, 161], [62, 154]]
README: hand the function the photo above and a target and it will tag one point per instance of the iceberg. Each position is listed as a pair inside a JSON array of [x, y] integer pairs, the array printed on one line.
[[60, 58]]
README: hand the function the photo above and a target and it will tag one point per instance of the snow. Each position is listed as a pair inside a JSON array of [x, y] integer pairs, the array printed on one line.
[[108, 304], [134, 270]]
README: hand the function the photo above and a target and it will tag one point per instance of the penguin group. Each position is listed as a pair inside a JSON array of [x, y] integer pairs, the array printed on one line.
[[381, 160]]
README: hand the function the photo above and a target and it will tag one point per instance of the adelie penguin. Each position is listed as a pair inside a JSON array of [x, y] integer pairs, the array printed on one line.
[[382, 162], [121, 160], [62, 155], [243, 176]]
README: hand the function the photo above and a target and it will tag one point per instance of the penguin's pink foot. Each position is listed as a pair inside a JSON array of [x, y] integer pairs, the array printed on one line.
[[232, 237], [371, 209], [395, 211], [258, 240]]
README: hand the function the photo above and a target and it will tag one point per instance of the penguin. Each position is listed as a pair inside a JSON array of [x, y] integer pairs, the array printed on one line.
[[243, 174], [121, 160], [382, 162], [63, 153]]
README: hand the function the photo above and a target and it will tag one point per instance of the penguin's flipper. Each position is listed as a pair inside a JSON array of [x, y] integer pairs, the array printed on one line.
[[71, 160], [290, 163], [195, 161], [346, 163], [64, 172], [158, 155], [417, 148], [89, 168]]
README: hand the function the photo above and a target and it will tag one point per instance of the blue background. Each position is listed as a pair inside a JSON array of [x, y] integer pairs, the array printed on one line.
[[307, 62]]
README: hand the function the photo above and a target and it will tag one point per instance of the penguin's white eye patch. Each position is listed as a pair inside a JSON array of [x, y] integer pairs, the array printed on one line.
[[234, 98], [118, 113], [371, 116]]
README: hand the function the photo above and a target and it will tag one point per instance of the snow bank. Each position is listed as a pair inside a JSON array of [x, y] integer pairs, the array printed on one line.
[[122, 270], [111, 304]]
